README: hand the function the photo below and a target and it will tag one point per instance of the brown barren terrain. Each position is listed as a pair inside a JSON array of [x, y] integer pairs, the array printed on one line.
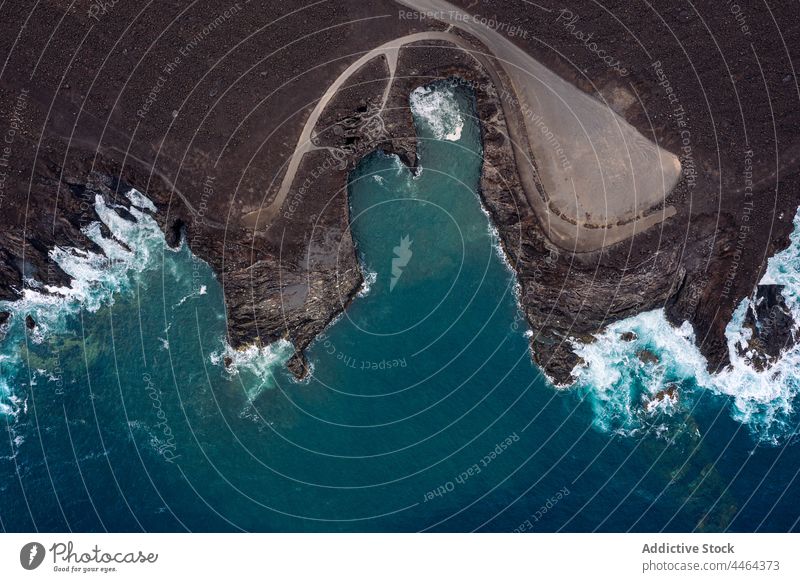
[[211, 109]]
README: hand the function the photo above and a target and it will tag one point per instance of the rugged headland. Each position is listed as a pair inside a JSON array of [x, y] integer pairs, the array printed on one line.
[[228, 122]]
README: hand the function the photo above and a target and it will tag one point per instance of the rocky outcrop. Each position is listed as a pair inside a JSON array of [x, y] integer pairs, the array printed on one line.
[[291, 279], [771, 327], [564, 295]]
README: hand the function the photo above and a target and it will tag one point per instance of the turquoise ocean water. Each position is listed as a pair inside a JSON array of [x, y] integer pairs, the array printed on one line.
[[424, 411]]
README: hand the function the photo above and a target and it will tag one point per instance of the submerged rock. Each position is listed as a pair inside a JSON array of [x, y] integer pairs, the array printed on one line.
[[670, 393], [665, 398], [648, 357], [4, 317]]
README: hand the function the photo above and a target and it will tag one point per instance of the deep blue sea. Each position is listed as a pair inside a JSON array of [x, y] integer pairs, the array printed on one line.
[[423, 412]]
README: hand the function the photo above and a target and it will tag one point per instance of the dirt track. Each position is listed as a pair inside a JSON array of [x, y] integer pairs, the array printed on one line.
[[599, 178]]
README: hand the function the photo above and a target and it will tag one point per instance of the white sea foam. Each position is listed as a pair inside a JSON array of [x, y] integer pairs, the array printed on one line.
[[620, 386], [369, 279], [203, 290], [766, 399], [95, 279], [259, 363], [497, 244], [140, 200], [618, 383], [438, 108]]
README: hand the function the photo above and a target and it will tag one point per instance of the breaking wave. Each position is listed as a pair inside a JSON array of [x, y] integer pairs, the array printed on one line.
[[437, 106], [129, 248], [369, 277], [140, 200], [95, 279], [256, 365], [643, 366]]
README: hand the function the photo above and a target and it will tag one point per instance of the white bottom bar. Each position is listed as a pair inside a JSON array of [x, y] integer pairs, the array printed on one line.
[[355, 557]]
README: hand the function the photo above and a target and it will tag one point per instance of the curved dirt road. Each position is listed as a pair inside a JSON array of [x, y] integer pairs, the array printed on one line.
[[596, 169], [599, 175]]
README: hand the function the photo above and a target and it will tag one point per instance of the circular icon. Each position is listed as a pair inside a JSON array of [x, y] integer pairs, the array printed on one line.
[[31, 555]]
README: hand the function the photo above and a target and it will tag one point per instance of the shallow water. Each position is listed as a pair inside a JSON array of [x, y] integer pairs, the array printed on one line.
[[424, 410]]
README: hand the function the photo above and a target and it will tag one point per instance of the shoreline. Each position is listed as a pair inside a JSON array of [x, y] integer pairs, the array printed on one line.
[[290, 280]]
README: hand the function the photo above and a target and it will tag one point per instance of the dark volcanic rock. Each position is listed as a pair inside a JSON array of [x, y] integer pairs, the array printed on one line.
[[670, 392], [30, 323], [647, 357], [740, 156], [239, 116], [175, 233], [627, 336], [354, 111], [4, 317], [771, 324]]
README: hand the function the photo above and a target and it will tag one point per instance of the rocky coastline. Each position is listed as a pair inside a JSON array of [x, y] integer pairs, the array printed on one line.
[[293, 277]]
